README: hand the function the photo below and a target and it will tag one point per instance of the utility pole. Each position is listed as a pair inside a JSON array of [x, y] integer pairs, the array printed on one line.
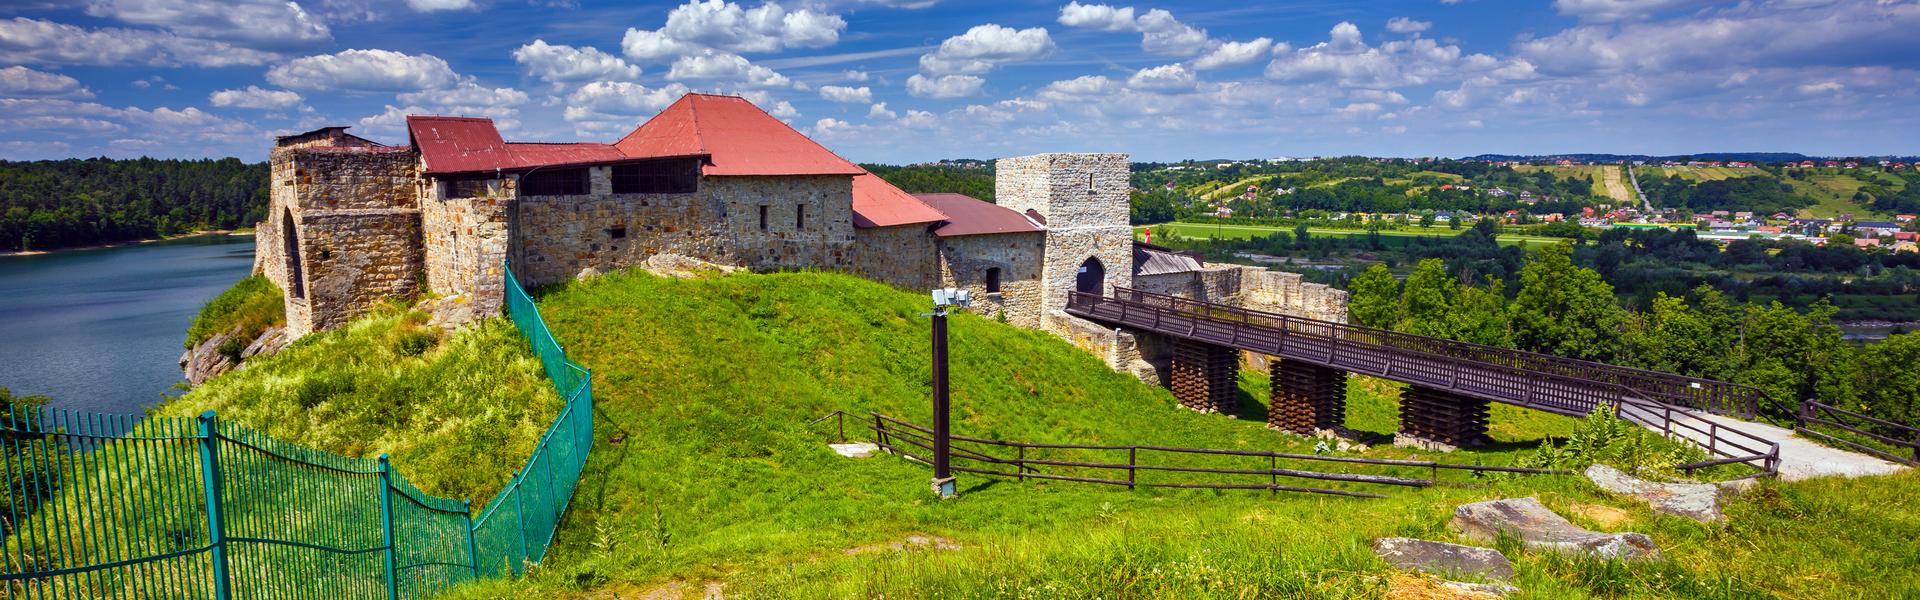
[[943, 301]]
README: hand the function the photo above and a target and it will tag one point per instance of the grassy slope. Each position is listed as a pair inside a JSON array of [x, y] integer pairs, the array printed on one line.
[[708, 384], [252, 305]]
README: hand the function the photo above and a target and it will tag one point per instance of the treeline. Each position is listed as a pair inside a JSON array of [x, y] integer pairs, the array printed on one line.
[[80, 202], [1759, 194], [1563, 309], [973, 178], [1882, 196]]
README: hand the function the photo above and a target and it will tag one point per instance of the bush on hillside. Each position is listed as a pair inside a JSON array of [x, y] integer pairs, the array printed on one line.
[[1603, 439], [253, 304]]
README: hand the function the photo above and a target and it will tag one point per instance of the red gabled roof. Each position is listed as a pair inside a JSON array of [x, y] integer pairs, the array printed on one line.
[[470, 144], [968, 216], [877, 203], [740, 138]]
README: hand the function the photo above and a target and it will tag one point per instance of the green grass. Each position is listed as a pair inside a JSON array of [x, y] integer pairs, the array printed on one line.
[[1241, 232], [706, 473], [252, 305]]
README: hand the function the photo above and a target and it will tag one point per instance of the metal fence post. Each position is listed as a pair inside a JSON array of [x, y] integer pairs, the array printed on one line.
[[386, 526], [216, 529], [473, 546]]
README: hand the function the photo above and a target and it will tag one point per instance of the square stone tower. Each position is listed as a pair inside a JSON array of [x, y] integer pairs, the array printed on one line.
[[1082, 198]]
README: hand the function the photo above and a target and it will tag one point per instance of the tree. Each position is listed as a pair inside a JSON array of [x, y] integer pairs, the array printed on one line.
[[1889, 378], [1373, 298], [1300, 235], [1426, 298], [1426, 220], [1479, 315], [1565, 309]]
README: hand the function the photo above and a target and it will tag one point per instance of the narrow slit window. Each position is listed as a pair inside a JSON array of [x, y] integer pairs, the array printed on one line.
[[800, 217], [763, 217], [993, 280]]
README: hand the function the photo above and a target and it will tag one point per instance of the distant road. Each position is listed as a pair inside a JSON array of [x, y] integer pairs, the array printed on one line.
[[1636, 186]]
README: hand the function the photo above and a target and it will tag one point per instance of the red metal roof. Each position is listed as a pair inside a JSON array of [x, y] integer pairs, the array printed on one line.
[[740, 138], [468, 144], [877, 203], [967, 216]]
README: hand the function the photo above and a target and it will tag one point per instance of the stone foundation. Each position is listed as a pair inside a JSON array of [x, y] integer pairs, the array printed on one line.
[[1452, 420], [1307, 398], [1205, 377]]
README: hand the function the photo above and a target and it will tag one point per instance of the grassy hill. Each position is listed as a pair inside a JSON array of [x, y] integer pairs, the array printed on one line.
[[707, 475]]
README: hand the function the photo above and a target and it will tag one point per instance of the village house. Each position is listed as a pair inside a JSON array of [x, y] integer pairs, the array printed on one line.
[[715, 179], [1876, 228]]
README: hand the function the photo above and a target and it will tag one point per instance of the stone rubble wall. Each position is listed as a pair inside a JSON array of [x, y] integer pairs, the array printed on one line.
[[465, 242], [1083, 199], [556, 237], [964, 261], [1289, 293], [903, 256], [356, 219], [354, 259]]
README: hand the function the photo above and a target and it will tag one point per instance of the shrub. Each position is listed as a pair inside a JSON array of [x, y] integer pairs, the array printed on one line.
[[253, 304], [1601, 438]]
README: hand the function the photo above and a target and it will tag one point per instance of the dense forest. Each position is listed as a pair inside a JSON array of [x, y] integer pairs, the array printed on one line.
[[971, 177], [80, 202], [1760, 194]]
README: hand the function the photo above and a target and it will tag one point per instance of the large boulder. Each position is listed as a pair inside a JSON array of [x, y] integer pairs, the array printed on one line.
[[1443, 559], [1697, 501], [205, 360], [1543, 529]]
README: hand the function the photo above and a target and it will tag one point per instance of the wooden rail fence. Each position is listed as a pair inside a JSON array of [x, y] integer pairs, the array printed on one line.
[[1896, 435]]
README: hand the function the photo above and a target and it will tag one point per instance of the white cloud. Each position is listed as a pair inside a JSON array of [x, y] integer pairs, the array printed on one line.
[[1172, 77], [22, 81], [1097, 16], [1162, 34], [1346, 59], [853, 75], [561, 64], [849, 95], [1614, 10], [879, 111], [609, 107], [467, 94], [1359, 108], [984, 47], [1377, 96], [364, 71], [1780, 33], [1233, 53], [254, 97], [1406, 25], [252, 23], [37, 42], [1823, 87], [1085, 85], [726, 26], [829, 126], [709, 65], [918, 119], [780, 109], [944, 86], [440, 5]]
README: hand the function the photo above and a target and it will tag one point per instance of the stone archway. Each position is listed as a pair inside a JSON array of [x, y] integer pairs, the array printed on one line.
[[290, 234], [1092, 277]]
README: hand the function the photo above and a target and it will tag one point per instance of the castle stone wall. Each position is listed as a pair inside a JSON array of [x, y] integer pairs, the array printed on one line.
[[964, 261], [904, 256], [1083, 199], [355, 235], [465, 242], [354, 259]]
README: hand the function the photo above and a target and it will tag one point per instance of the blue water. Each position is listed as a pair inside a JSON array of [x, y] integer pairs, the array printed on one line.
[[100, 330]]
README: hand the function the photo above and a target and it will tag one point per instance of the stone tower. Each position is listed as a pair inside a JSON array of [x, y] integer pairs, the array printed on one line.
[[1082, 198]]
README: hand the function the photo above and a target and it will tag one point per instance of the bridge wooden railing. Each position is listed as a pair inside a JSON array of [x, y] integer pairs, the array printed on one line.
[[1504, 374], [1897, 436]]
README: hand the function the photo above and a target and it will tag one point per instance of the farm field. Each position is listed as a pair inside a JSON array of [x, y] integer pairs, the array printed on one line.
[[1241, 232], [1700, 173]]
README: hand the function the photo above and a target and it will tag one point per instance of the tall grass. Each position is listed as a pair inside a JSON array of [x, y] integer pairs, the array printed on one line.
[[251, 305]]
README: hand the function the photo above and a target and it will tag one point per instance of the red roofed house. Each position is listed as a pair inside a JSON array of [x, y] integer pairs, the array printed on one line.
[[714, 178]]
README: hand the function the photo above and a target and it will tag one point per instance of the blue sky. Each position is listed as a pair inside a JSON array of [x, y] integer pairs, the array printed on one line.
[[911, 80]]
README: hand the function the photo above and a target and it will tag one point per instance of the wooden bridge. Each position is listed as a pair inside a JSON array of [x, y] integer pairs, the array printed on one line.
[[1451, 383]]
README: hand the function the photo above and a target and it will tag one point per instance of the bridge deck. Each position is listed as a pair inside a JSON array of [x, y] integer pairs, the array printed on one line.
[[1537, 381]]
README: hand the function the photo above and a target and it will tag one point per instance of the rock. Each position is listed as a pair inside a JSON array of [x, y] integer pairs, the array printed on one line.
[[1543, 529], [204, 361], [682, 267], [587, 273], [1697, 501], [855, 449], [448, 313], [1447, 560], [271, 341], [1420, 443], [1481, 590]]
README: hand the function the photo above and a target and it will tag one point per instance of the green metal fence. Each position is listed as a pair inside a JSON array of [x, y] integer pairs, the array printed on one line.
[[114, 506]]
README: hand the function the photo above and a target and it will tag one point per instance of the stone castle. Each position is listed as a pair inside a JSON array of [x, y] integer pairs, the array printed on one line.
[[353, 222]]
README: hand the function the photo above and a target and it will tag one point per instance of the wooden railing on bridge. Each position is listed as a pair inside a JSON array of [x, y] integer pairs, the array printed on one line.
[[1540, 381], [1897, 436]]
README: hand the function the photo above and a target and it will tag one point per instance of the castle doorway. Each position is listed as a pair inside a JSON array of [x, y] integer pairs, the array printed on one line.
[[296, 281], [1091, 278]]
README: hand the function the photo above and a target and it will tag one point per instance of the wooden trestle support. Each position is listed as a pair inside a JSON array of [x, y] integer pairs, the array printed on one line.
[[1205, 376], [1439, 416], [1306, 397]]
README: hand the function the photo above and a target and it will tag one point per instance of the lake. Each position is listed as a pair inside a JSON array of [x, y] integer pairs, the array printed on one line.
[[100, 329]]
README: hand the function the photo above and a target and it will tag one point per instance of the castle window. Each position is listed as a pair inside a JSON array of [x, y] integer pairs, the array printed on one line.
[[676, 176], [554, 182], [993, 280], [466, 188], [1089, 183], [617, 232], [763, 217], [799, 217]]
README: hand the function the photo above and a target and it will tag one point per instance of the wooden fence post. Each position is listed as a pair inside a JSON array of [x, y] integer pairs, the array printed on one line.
[[216, 529], [386, 527]]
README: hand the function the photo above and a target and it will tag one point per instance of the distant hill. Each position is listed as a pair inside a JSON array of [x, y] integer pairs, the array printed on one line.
[[1754, 157]]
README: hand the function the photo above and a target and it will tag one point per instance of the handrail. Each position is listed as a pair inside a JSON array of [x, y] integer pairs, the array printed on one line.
[[1834, 416]]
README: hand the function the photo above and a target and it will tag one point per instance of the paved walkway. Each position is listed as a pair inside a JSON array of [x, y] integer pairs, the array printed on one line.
[[1801, 458]]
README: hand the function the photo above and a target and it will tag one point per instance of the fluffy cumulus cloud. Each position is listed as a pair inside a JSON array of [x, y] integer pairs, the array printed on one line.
[[1406, 25], [1160, 33], [1346, 59], [880, 111], [252, 23], [561, 64], [364, 71], [1162, 78], [612, 107], [944, 86], [254, 97], [1234, 53], [1097, 16], [177, 127], [22, 81], [726, 26], [37, 42], [984, 47], [848, 95], [470, 96], [709, 65]]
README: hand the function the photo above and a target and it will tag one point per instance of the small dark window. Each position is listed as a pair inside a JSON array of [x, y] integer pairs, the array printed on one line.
[[993, 280], [466, 188], [763, 217], [799, 217], [617, 232], [1089, 182], [554, 182], [677, 176], [326, 255]]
